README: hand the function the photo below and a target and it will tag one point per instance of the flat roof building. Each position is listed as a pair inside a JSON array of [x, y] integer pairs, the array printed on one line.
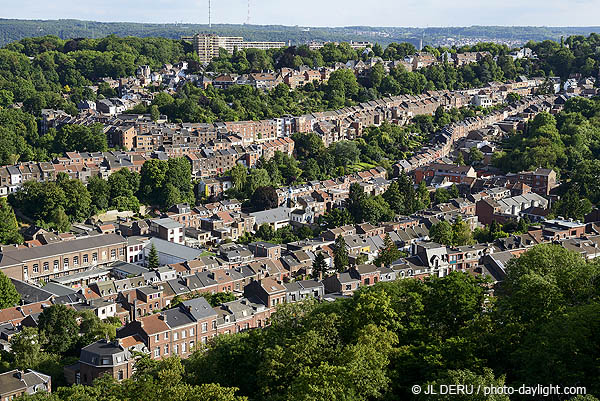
[[207, 46]]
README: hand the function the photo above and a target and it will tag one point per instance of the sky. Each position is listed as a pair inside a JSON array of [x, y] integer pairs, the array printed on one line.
[[400, 13]]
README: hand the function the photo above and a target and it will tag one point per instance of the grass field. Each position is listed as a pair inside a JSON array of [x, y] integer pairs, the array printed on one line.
[[353, 168]]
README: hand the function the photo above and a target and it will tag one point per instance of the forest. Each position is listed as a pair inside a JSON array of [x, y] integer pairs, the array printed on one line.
[[12, 30], [538, 326]]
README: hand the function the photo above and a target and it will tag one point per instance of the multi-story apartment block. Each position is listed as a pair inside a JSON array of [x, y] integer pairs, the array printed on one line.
[[207, 46]]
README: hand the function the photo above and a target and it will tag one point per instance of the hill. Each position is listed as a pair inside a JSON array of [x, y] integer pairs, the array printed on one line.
[[12, 30]]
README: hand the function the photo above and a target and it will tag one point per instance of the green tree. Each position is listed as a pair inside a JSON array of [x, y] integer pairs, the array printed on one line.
[[123, 203], [219, 298], [461, 232], [475, 156], [259, 177], [92, 329], [356, 201], [26, 347], [8, 293], [337, 218], [266, 232], [99, 193], [58, 324], [340, 254], [9, 230], [153, 260], [441, 233], [571, 206], [264, 198], [238, 174], [544, 281], [319, 267], [154, 112], [152, 181], [77, 198], [59, 220], [389, 253], [394, 197]]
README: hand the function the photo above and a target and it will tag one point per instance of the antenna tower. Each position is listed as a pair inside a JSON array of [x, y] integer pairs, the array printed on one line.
[[248, 17], [209, 23]]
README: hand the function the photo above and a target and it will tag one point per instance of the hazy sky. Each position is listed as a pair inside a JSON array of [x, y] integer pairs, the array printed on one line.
[[319, 12]]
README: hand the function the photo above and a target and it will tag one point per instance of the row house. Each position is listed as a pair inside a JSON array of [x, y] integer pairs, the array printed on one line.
[[241, 315], [455, 173], [283, 145], [501, 210], [176, 331]]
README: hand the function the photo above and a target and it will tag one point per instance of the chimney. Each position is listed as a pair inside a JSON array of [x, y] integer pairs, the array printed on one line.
[[134, 311]]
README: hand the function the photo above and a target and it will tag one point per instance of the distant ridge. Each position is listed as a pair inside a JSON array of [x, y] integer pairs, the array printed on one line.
[[13, 29]]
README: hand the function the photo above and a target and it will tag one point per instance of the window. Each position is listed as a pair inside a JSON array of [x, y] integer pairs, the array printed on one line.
[[75, 260], [214, 324], [55, 265], [157, 338], [66, 263], [113, 253], [204, 327], [103, 255], [175, 337], [25, 271], [120, 375], [176, 349], [105, 361], [183, 334], [46, 266], [166, 335], [192, 332], [183, 348], [122, 252], [156, 352], [35, 268], [166, 349], [85, 258], [95, 257]]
